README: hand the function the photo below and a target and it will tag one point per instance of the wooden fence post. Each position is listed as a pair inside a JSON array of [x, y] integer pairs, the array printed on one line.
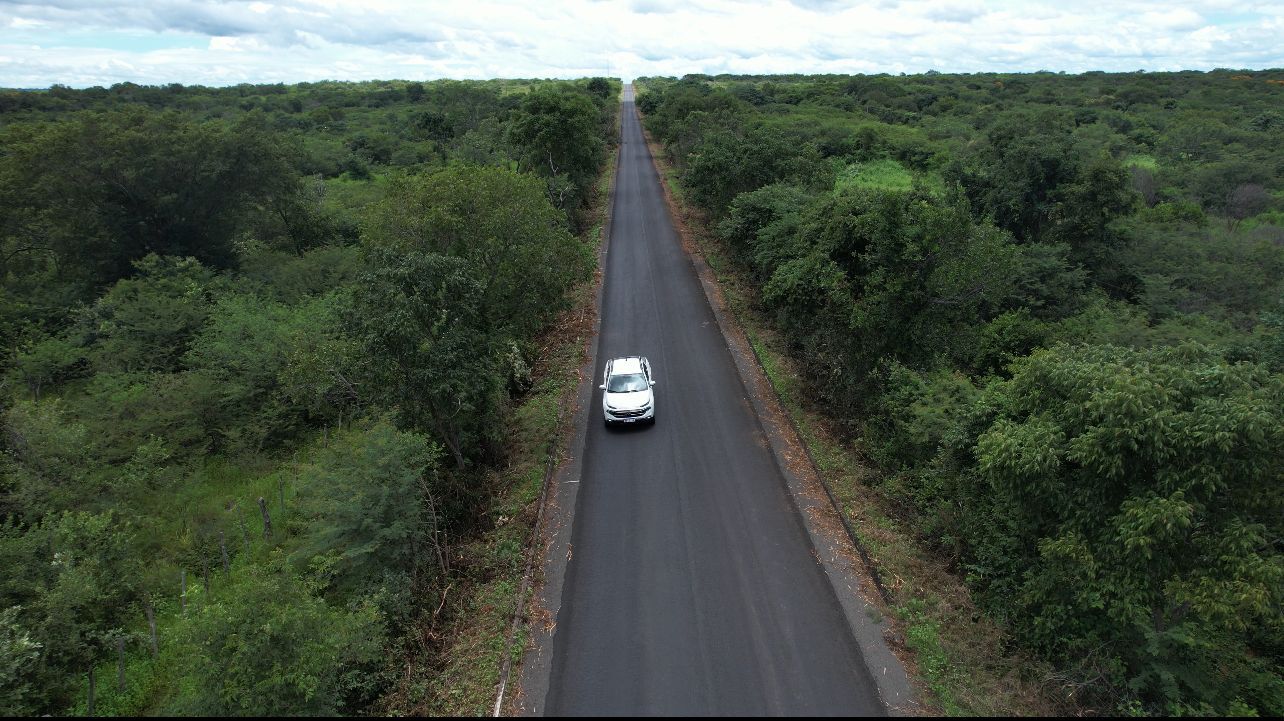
[[245, 530], [120, 663], [205, 573], [267, 520], [151, 624]]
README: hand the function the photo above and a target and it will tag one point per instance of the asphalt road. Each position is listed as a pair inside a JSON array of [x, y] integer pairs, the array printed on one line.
[[692, 586]]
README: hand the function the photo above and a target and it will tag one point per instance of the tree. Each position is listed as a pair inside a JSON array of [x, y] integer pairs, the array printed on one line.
[[762, 225], [76, 591], [1014, 173], [106, 189], [897, 276], [1214, 186], [558, 134], [274, 648], [323, 361], [51, 459], [372, 510], [726, 162], [1245, 201], [517, 248], [146, 323], [600, 88], [1143, 181], [1143, 499], [46, 362], [18, 656], [1084, 214], [432, 356]]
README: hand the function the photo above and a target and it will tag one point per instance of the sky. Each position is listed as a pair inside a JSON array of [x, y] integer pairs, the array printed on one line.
[[82, 43]]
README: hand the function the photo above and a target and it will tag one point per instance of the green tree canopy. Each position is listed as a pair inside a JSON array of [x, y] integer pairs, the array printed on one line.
[[274, 648], [432, 356], [1145, 507], [105, 189], [515, 242], [557, 133]]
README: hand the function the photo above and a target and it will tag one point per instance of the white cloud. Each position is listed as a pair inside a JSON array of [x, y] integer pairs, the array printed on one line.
[[1175, 19], [296, 40]]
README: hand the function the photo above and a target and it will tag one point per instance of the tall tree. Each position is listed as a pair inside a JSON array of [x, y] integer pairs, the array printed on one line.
[[431, 353], [519, 253], [558, 133]]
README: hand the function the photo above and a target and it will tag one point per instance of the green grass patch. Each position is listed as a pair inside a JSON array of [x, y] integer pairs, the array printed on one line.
[[1141, 161], [885, 174], [923, 637]]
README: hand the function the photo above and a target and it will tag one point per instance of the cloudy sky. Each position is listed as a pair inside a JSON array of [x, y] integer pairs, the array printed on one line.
[[219, 42]]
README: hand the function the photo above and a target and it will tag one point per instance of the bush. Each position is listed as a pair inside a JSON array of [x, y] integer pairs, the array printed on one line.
[[274, 648], [368, 501]]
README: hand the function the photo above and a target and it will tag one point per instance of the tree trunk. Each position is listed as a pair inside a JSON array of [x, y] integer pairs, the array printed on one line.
[[448, 436], [205, 573], [182, 579], [222, 546], [89, 707]]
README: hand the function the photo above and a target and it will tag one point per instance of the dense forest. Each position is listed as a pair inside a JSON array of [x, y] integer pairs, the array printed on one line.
[[1049, 309], [257, 345]]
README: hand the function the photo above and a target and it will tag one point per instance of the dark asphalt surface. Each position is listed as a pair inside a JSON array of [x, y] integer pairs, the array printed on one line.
[[692, 586]]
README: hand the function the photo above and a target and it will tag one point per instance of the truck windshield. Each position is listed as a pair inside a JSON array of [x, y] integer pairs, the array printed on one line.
[[626, 383]]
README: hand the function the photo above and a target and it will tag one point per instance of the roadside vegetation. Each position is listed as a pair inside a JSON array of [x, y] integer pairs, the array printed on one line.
[[1031, 325], [276, 371]]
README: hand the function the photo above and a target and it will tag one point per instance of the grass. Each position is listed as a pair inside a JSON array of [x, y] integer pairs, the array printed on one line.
[[219, 494], [1141, 161], [884, 174], [923, 637], [962, 662]]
